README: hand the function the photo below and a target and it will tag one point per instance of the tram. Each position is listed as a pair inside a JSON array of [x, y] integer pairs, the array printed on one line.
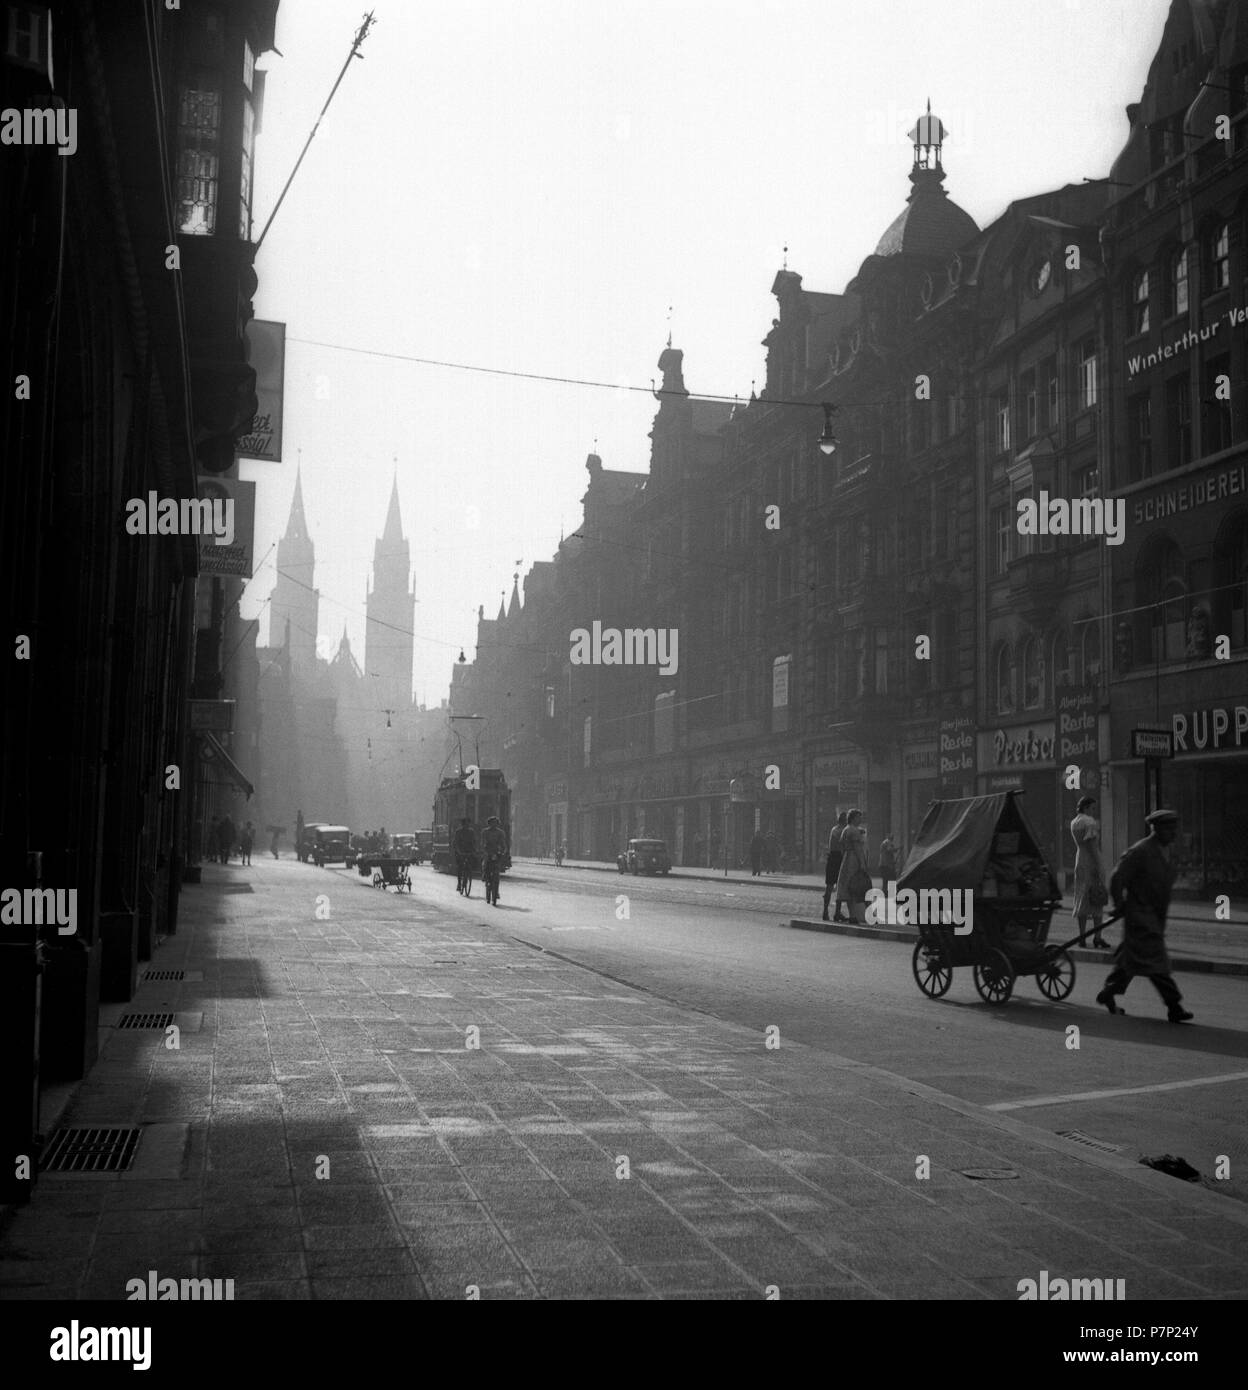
[[455, 799]]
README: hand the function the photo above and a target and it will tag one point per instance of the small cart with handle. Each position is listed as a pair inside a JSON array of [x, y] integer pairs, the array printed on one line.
[[984, 846], [390, 871]]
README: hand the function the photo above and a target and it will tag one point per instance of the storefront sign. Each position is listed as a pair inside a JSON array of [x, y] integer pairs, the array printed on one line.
[[235, 558], [956, 738], [1022, 747], [919, 759], [1223, 726], [1186, 497], [837, 769], [266, 354], [217, 715], [1076, 722]]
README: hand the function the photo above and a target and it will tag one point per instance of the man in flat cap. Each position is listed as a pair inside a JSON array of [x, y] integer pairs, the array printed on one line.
[[1140, 888]]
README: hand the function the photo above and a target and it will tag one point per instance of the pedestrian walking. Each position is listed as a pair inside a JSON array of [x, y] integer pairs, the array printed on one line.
[[888, 862], [214, 839], [1091, 895], [758, 847], [854, 879], [276, 835], [228, 836], [245, 842], [832, 867], [771, 856], [300, 851], [1140, 888]]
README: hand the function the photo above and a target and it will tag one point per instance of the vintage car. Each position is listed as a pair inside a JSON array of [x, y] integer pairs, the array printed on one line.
[[645, 857], [406, 846], [331, 844]]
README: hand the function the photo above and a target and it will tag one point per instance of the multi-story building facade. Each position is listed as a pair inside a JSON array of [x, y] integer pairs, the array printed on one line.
[[125, 374], [1176, 242]]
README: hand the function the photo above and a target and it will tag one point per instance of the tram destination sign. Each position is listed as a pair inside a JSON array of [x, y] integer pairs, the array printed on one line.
[[1152, 743]]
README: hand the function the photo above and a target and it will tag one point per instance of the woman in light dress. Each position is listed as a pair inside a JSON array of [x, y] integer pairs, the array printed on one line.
[[853, 862], [1085, 830]]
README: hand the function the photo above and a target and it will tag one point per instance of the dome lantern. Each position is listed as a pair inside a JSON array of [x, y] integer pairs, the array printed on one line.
[[928, 136]]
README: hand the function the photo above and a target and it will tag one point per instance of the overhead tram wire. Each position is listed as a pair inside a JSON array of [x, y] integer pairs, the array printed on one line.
[[880, 403]]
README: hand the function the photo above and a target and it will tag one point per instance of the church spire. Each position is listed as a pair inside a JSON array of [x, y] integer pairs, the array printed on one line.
[[393, 534], [514, 606], [297, 525]]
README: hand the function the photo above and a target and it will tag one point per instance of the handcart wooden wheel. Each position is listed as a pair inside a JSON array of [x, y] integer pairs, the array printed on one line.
[[994, 975], [931, 973], [1056, 974]]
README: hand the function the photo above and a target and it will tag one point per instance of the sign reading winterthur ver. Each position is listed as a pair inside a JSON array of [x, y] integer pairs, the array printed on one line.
[[1236, 318]]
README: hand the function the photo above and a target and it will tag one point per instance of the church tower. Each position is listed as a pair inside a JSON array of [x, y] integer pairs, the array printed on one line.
[[391, 616], [294, 601]]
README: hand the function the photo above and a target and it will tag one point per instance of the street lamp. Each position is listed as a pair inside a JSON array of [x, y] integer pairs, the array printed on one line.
[[828, 440]]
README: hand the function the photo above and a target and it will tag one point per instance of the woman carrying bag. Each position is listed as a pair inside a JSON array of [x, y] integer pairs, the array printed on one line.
[[854, 880]]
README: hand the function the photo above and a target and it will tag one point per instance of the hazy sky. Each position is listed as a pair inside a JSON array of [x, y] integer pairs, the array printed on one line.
[[528, 185]]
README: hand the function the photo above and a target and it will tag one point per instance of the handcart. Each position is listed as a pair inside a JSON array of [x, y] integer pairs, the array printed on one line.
[[389, 871], [983, 846]]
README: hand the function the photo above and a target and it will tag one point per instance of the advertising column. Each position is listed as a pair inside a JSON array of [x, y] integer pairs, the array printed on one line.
[[1078, 762]]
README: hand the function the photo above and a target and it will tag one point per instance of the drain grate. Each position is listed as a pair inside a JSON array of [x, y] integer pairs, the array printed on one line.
[[164, 974], [1080, 1138], [145, 1021], [90, 1151]]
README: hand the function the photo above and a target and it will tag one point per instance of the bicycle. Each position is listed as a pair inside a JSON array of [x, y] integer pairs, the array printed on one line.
[[490, 875], [463, 880]]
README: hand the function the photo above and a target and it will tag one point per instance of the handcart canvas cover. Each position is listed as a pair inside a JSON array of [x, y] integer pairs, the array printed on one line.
[[956, 838]]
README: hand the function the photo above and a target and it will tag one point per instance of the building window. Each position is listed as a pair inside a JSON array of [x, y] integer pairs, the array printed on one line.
[[880, 666], [1031, 404], [244, 191], [1005, 680], [1176, 284], [1139, 303], [1032, 663], [1087, 373], [1049, 375], [199, 139], [945, 627], [953, 414], [1003, 423], [1092, 652], [1140, 436], [1002, 530], [1217, 258], [1065, 659], [249, 66], [1161, 593], [1217, 406], [1178, 422], [1230, 569]]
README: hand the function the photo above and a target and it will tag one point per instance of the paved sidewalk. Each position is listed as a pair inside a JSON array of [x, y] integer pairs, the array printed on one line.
[[598, 1143], [1195, 938]]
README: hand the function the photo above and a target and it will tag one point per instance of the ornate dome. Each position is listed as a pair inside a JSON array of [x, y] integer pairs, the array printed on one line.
[[930, 224]]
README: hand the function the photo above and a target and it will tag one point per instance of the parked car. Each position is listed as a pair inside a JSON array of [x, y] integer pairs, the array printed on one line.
[[331, 844], [645, 857]]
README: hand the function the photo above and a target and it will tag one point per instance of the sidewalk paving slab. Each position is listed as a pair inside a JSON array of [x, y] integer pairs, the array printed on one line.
[[601, 1142]]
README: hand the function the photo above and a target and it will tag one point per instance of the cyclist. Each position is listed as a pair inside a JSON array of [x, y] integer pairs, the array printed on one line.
[[464, 847], [493, 847]]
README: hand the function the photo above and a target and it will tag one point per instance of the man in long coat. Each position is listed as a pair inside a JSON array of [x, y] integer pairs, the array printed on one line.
[[1140, 888]]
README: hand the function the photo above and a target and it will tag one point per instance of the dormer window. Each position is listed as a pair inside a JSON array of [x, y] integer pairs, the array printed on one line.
[[925, 291], [955, 270]]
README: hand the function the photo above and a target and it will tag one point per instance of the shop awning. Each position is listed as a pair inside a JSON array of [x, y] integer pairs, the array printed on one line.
[[218, 756]]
